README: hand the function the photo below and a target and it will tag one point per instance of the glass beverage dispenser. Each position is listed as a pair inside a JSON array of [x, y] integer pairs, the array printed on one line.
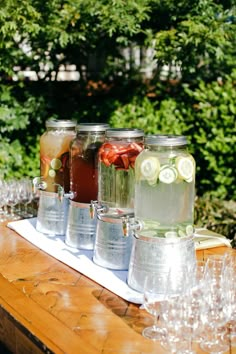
[[81, 229], [164, 208], [116, 196], [54, 182]]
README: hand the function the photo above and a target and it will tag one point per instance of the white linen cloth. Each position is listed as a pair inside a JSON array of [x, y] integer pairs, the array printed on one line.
[[82, 260]]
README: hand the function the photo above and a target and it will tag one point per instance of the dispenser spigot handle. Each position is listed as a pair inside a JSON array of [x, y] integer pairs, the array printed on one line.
[[60, 191], [39, 184], [95, 206], [69, 195], [92, 208], [125, 225], [128, 224]]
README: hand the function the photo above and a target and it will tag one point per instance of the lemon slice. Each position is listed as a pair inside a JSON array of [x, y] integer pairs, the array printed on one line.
[[181, 233], [150, 168], [189, 230], [56, 164], [167, 174], [171, 234], [185, 167], [152, 182], [52, 173], [149, 233]]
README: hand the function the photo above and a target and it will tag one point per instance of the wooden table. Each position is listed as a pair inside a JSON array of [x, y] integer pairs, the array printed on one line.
[[47, 307]]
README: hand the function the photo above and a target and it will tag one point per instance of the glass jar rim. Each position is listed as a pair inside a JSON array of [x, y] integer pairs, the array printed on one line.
[[166, 140], [60, 123], [124, 133], [92, 127]]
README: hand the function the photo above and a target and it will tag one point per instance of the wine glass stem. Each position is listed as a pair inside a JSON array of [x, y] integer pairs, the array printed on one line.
[[156, 319], [2, 214], [12, 211], [190, 344]]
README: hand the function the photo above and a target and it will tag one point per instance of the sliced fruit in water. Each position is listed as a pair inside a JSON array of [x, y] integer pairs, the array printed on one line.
[[150, 168], [189, 230], [171, 234], [152, 181], [52, 173], [185, 167], [181, 233], [168, 174], [56, 164], [123, 156], [149, 233]]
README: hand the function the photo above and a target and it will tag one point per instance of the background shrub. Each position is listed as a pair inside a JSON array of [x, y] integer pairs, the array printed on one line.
[[190, 88]]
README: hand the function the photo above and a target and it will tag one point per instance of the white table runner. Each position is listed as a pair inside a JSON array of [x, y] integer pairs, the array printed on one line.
[[82, 260]]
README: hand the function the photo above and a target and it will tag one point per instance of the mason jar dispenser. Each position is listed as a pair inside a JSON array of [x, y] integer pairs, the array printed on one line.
[[116, 196], [164, 208], [54, 180], [81, 228]]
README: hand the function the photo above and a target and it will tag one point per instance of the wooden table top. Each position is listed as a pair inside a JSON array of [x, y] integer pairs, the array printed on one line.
[[47, 307]]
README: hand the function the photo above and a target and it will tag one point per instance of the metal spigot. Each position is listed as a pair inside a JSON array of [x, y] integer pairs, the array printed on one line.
[[60, 191], [39, 184], [129, 223], [69, 195], [99, 208]]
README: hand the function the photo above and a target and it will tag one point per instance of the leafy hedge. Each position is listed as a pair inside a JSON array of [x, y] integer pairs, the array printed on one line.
[[207, 116], [217, 215], [196, 97]]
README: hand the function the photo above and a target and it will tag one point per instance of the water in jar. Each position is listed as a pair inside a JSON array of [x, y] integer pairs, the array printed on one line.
[[165, 192]]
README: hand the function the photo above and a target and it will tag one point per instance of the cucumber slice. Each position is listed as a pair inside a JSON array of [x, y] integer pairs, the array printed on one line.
[[168, 174]]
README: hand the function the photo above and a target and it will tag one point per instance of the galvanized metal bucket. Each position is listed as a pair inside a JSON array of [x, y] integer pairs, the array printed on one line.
[[81, 228], [52, 214], [159, 255], [112, 250]]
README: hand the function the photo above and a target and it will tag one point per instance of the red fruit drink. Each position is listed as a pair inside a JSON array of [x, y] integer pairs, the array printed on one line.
[[116, 168], [84, 161]]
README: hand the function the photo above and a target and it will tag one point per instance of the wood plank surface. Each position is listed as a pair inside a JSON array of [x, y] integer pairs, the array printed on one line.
[[47, 307]]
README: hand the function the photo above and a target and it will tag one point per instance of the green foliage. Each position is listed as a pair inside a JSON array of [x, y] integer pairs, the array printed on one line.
[[217, 215], [18, 133], [214, 135], [153, 117], [207, 117], [197, 99], [200, 38]]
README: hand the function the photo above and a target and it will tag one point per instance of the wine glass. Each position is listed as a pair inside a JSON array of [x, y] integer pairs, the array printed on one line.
[[12, 198], [192, 328], [3, 199], [214, 310], [174, 309], [155, 286], [26, 196], [230, 291]]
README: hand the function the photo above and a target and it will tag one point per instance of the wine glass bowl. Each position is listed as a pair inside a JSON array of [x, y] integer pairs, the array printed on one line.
[[215, 310], [12, 198], [153, 296], [26, 196]]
